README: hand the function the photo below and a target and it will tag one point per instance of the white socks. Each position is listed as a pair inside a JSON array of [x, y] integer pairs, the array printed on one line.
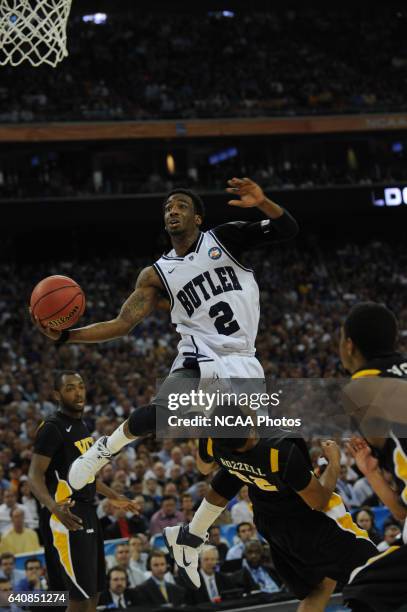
[[204, 517], [117, 440]]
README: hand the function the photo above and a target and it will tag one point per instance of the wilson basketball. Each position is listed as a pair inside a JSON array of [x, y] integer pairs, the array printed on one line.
[[57, 301]]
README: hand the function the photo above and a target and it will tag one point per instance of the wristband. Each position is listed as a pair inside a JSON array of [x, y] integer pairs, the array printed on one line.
[[63, 338]]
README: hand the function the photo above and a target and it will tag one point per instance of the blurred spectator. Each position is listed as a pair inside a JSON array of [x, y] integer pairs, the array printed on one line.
[[138, 558], [9, 504], [176, 460], [167, 516], [345, 488], [329, 78], [242, 511], [363, 493], [5, 585], [263, 576], [156, 590], [365, 519], [213, 582], [8, 570], [124, 527], [215, 540], [392, 533], [122, 559], [34, 579], [117, 595], [187, 507], [245, 532], [28, 501], [19, 539]]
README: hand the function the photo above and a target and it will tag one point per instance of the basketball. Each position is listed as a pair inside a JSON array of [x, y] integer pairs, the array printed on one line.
[[57, 301]]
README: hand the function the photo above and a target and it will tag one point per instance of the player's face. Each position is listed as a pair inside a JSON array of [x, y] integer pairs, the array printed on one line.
[[72, 393], [179, 214]]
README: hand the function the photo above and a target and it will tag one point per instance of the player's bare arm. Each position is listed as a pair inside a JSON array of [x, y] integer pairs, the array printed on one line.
[[369, 466], [117, 500], [138, 305], [36, 479], [204, 467], [251, 195], [318, 492]]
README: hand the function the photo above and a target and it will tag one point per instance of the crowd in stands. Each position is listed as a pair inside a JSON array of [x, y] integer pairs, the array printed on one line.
[[183, 65], [305, 295], [72, 174]]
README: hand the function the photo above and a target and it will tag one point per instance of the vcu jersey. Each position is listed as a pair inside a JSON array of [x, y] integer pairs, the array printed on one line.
[[393, 456], [75, 559], [380, 584], [212, 295], [63, 439], [274, 470], [306, 545]]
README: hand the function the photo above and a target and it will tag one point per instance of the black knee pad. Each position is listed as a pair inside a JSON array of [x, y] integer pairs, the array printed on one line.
[[142, 421]]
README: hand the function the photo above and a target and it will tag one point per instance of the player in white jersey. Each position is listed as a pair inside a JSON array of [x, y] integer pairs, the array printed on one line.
[[214, 303]]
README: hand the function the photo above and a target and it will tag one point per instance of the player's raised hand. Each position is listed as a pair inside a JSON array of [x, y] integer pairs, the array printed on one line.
[[53, 334], [64, 514], [331, 451], [362, 453], [123, 502], [249, 192]]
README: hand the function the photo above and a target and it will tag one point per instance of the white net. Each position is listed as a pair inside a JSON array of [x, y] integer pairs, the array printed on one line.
[[33, 31]]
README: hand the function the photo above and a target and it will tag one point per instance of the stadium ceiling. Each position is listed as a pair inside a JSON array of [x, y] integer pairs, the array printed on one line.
[[115, 6]]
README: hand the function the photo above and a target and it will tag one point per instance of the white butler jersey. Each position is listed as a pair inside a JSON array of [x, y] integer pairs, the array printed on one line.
[[213, 297]]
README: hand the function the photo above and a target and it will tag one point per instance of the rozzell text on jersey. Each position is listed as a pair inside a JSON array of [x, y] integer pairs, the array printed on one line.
[[239, 466]]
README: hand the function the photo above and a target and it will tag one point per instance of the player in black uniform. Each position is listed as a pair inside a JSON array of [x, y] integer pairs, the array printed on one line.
[[368, 353], [73, 541], [310, 550]]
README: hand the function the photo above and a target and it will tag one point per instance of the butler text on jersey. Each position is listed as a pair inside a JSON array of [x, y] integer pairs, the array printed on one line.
[[203, 286]]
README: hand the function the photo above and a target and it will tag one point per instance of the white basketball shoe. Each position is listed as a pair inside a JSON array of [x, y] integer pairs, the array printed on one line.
[[84, 468], [184, 548]]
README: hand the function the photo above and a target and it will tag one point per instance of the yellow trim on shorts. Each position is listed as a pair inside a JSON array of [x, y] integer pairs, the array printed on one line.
[[209, 447], [61, 543], [363, 373], [274, 459]]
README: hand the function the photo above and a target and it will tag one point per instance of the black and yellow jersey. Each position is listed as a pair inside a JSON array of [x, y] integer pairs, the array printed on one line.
[[63, 439], [393, 455], [274, 470]]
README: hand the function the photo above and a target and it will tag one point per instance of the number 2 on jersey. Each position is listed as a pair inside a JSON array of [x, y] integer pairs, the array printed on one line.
[[224, 322]]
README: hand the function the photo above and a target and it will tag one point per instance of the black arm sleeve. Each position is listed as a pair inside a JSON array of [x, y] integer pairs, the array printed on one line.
[[48, 440], [203, 450], [295, 469], [240, 236], [226, 485]]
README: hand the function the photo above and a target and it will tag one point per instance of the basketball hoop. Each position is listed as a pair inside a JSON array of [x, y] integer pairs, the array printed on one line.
[[33, 31]]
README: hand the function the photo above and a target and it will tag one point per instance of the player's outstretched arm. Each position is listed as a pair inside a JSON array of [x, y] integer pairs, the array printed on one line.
[[369, 466], [318, 492], [251, 195], [137, 306]]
